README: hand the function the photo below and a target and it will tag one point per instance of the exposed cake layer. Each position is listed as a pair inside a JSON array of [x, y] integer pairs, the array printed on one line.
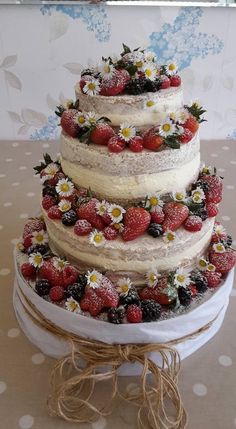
[[137, 256], [131, 108], [132, 187]]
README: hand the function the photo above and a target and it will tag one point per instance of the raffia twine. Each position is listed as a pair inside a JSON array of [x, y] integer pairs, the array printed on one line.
[[72, 385]]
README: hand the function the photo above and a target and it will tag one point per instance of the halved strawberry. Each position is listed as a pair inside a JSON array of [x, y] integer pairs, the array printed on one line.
[[175, 215], [136, 222]]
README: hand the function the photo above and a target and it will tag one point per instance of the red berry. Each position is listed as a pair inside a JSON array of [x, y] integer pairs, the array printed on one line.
[[186, 136], [175, 80], [212, 210], [28, 270], [213, 278], [54, 212], [70, 275], [151, 139], [56, 293], [88, 212], [193, 289], [82, 227], [193, 223], [110, 233], [116, 84], [215, 184], [106, 218], [191, 124], [136, 222], [157, 215], [101, 134], [175, 215], [51, 273], [33, 225], [48, 202], [27, 241], [223, 262], [216, 237], [134, 314], [116, 144], [165, 82], [68, 122], [157, 293], [105, 296], [58, 176], [136, 144], [84, 79]]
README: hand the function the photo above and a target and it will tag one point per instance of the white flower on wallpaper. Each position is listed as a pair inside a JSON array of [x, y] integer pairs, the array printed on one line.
[[10, 77], [27, 119]]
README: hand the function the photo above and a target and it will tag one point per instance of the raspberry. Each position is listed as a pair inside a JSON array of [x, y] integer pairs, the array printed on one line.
[[101, 134], [164, 82], [69, 275], [193, 223], [136, 144], [33, 225], [175, 80], [116, 144], [110, 233], [134, 314], [56, 293], [28, 270], [186, 136], [48, 202], [27, 242], [191, 124], [54, 212], [212, 210], [157, 215], [213, 278], [82, 227]]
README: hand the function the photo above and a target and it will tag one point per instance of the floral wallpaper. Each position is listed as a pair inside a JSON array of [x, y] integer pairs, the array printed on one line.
[[40, 61]]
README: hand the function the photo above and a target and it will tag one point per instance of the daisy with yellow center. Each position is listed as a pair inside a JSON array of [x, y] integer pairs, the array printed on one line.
[[219, 229], [39, 237], [116, 212], [150, 71], [167, 128], [206, 169], [127, 132], [150, 105], [171, 68], [154, 201], [138, 59], [64, 205], [106, 70], [20, 246], [182, 116], [169, 236], [97, 238], [91, 118], [119, 226], [123, 286], [36, 259], [92, 87], [51, 169], [72, 305], [150, 57], [152, 278], [60, 264], [101, 208], [181, 278], [81, 120], [179, 196], [218, 248], [211, 267], [173, 116], [198, 195], [67, 104], [202, 264], [93, 279], [65, 187]]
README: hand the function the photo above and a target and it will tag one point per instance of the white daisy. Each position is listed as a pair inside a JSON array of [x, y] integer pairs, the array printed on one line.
[[169, 236], [150, 71], [167, 128], [52, 169], [207, 169], [116, 212], [67, 103], [91, 118], [138, 59], [155, 200], [179, 196], [64, 205], [182, 116], [81, 119], [72, 305], [92, 87], [39, 237], [127, 132], [219, 229], [93, 279], [150, 105], [152, 278], [106, 69], [171, 68], [150, 57], [36, 259], [65, 187], [198, 195], [218, 248], [101, 207], [202, 264], [181, 278], [119, 226], [211, 267], [172, 116], [124, 285], [60, 264], [97, 238]]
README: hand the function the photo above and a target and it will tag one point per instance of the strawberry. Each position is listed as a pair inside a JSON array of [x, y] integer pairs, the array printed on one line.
[[116, 84], [223, 262], [216, 237], [110, 233], [175, 80], [151, 140], [91, 303], [56, 293], [101, 134], [49, 272], [134, 313], [175, 215], [193, 223], [54, 212], [157, 293], [136, 222], [157, 215], [70, 275], [82, 227], [33, 225], [186, 136], [58, 176], [212, 210], [213, 278], [191, 124], [88, 212], [116, 144], [105, 296], [214, 193], [28, 270], [27, 241], [84, 79], [165, 82], [136, 144], [48, 202], [68, 122]]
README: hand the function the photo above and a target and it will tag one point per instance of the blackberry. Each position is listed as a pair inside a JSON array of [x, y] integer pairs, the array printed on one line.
[[229, 240], [200, 281], [116, 315], [151, 310], [135, 86], [76, 290], [184, 296], [42, 287], [69, 218], [132, 297], [201, 212], [151, 86], [87, 72], [50, 190], [155, 230], [41, 248], [203, 185]]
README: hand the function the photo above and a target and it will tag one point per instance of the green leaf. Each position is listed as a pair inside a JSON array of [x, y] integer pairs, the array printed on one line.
[[172, 141], [131, 69], [76, 104], [104, 119], [47, 159], [126, 50]]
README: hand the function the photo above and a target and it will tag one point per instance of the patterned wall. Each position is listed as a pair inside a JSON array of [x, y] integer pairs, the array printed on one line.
[[42, 53]]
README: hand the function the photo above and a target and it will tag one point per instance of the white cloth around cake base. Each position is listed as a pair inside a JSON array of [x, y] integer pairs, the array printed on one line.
[[153, 332]]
